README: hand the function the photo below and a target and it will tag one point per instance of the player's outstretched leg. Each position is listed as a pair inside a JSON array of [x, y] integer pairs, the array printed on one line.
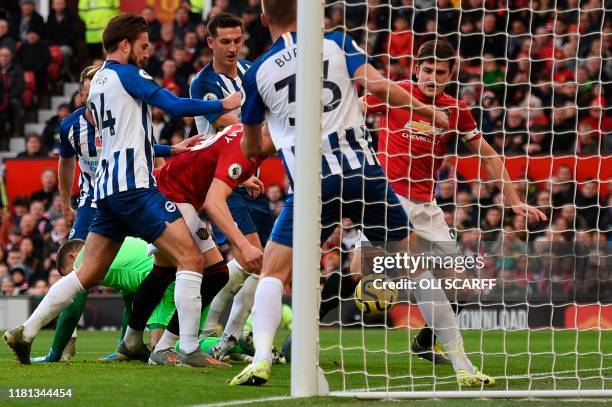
[[266, 313], [438, 313], [62, 294]]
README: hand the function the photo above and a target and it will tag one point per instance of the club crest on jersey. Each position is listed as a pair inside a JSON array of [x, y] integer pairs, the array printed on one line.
[[203, 234], [234, 171], [145, 75], [170, 206], [210, 96]]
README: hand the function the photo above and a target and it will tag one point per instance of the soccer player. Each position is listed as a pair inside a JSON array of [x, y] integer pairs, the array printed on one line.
[[411, 150], [216, 80], [80, 143], [353, 184], [204, 178], [128, 202]]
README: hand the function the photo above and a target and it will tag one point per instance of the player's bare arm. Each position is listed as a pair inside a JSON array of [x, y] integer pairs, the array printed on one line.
[[497, 171], [216, 207], [251, 143], [384, 89], [65, 173]]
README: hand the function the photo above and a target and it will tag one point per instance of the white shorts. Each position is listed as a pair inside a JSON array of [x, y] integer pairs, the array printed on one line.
[[197, 228], [427, 220]]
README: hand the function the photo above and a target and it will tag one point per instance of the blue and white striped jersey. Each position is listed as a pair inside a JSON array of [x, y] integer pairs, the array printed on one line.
[[270, 88], [118, 100], [211, 85], [78, 137]]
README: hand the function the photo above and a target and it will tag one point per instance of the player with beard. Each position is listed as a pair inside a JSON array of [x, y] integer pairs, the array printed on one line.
[[127, 198]]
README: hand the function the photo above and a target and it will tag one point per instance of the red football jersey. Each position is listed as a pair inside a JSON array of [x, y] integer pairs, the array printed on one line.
[[187, 177], [411, 151]]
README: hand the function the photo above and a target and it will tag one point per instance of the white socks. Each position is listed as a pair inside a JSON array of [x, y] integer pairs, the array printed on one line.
[[266, 316], [59, 297], [167, 341], [188, 303], [241, 308], [440, 317], [237, 275], [132, 338]]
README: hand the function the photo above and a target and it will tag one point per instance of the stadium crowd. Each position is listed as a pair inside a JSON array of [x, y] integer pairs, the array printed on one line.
[[538, 82]]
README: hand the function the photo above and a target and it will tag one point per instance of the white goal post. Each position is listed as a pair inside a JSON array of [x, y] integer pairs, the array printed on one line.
[[307, 378]]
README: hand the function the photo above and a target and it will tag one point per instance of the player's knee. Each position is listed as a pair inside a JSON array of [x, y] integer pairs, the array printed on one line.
[[192, 262]]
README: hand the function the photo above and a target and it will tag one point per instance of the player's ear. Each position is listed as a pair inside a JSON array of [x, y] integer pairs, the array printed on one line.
[[209, 41], [264, 20]]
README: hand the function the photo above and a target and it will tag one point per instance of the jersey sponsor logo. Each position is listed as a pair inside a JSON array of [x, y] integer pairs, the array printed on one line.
[[170, 206], [144, 74], [203, 234], [210, 96], [234, 171]]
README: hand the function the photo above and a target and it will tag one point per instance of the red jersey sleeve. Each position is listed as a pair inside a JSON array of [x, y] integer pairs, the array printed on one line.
[[233, 168], [375, 105], [466, 125]]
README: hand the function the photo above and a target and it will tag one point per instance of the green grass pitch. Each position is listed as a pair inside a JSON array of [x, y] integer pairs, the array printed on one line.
[[578, 359]]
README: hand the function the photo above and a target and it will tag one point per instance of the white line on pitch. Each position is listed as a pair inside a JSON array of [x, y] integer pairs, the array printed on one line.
[[241, 402]]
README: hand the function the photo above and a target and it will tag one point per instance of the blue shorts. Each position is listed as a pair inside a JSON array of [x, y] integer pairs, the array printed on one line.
[[364, 196], [84, 216], [141, 213], [250, 215]]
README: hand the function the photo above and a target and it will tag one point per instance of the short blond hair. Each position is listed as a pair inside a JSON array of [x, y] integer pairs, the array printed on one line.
[[88, 73]]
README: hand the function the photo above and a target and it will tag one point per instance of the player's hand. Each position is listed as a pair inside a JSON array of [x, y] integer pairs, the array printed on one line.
[[233, 101], [69, 215], [441, 119], [250, 257], [529, 212], [185, 145], [254, 186]]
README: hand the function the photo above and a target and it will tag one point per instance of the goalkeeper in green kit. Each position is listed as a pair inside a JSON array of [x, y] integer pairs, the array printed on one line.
[[125, 274]]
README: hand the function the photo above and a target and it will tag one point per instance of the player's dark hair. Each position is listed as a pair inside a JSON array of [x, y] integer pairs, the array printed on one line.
[[280, 12], [87, 73], [125, 26], [71, 246], [434, 50], [223, 20]]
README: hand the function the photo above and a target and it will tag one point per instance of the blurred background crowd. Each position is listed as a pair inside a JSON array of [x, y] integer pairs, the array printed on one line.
[[536, 74]]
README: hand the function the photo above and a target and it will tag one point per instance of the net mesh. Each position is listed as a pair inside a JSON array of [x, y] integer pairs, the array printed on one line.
[[535, 76]]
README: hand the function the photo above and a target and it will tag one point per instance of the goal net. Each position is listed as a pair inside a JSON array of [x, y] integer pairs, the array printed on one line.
[[535, 310]]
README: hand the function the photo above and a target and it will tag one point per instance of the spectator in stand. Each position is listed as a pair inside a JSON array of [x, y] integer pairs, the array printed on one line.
[[184, 70], [30, 259], [20, 280], [54, 276], [14, 239], [258, 36], [516, 130], [28, 226], [11, 88], [276, 199], [48, 181], [400, 44], [30, 20], [77, 101], [50, 136], [158, 121], [7, 288], [96, 14], [166, 43], [588, 203], [33, 55], [153, 66], [563, 187], [192, 47], [182, 24], [154, 25], [33, 147], [6, 41], [38, 289], [169, 79], [61, 30], [55, 212], [43, 224]]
